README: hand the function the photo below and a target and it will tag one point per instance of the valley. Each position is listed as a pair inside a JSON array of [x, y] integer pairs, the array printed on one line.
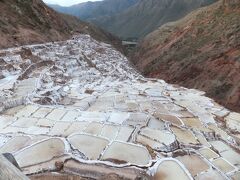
[[79, 103], [132, 18]]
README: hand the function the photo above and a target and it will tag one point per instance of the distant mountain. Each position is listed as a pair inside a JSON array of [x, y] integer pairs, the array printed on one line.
[[148, 15], [31, 21], [92, 10], [200, 51], [133, 18]]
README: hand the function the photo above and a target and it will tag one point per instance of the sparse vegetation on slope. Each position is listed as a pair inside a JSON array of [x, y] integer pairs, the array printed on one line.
[[31, 21], [200, 51]]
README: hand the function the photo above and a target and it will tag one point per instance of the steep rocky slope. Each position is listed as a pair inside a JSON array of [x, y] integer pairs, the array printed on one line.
[[31, 21], [200, 51]]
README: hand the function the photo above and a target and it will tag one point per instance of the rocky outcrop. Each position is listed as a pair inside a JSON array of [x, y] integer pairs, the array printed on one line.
[[200, 51]]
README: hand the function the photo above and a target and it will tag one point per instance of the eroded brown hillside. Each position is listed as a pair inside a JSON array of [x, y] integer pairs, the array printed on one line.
[[200, 51], [31, 21]]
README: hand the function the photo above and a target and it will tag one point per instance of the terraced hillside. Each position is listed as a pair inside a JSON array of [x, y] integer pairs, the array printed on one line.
[[200, 51], [77, 109]]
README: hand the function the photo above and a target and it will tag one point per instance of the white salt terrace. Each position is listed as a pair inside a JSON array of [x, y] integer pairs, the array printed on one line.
[[84, 107]]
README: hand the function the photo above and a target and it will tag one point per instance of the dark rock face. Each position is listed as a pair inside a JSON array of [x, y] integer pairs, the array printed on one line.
[[200, 51]]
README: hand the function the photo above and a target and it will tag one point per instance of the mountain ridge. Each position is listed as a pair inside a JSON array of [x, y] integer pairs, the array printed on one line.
[[91, 10]]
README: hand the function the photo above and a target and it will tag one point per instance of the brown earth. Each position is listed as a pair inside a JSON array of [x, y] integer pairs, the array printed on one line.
[[200, 51], [31, 21]]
